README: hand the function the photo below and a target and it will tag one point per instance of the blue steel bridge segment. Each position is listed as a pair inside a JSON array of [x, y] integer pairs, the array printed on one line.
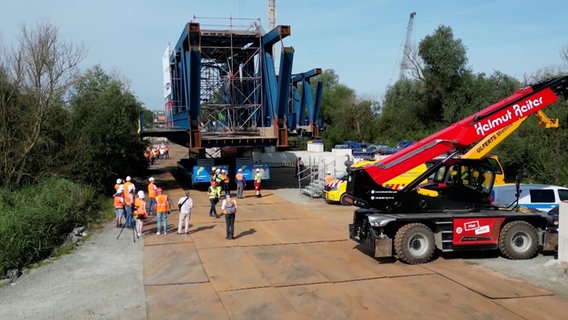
[[307, 102], [225, 91]]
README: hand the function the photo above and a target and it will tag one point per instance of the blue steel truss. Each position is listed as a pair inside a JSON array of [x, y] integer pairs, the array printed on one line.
[[225, 91]]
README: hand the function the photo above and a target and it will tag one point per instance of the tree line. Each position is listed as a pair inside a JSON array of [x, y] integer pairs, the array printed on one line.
[[58, 121], [442, 89]]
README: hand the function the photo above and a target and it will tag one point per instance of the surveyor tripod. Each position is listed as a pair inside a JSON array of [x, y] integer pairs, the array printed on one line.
[[133, 232]]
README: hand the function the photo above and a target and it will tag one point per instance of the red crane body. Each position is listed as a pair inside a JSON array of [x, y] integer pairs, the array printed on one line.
[[462, 134]]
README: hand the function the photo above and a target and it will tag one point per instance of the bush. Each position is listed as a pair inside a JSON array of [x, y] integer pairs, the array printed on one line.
[[36, 220]]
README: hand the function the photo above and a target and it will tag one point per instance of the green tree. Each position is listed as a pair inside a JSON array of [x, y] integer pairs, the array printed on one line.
[[35, 76], [445, 64], [104, 125]]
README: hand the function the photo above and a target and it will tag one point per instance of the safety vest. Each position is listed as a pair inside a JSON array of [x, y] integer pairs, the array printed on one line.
[[140, 206], [239, 177], [118, 202], [151, 190], [162, 203], [218, 178], [328, 179], [213, 192], [128, 197], [258, 177]]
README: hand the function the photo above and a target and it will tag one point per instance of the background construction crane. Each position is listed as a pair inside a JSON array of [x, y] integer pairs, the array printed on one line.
[[271, 14], [404, 62]]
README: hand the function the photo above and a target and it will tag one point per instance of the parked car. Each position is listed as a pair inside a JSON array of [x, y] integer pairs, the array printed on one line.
[[542, 197]]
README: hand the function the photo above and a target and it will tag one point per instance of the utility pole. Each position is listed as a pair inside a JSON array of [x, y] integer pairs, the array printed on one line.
[[406, 48]]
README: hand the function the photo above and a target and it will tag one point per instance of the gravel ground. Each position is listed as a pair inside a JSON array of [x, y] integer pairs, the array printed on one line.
[[543, 271], [103, 278]]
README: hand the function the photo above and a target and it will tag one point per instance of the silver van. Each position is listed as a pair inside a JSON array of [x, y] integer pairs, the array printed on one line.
[[542, 197]]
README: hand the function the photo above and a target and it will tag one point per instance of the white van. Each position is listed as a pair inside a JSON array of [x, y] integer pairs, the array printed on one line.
[[542, 197]]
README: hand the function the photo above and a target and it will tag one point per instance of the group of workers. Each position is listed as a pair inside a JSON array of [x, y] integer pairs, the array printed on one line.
[[152, 154], [133, 207]]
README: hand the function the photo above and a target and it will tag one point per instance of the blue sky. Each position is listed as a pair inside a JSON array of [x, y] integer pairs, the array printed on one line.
[[361, 40]]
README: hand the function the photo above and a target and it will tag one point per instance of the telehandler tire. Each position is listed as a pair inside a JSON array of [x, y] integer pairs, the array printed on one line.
[[414, 243], [518, 240]]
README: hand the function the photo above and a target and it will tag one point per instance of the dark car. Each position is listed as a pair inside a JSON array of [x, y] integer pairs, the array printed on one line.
[[552, 217]]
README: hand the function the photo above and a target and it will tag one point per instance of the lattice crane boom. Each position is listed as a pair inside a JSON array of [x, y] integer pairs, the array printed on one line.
[[406, 48], [271, 14]]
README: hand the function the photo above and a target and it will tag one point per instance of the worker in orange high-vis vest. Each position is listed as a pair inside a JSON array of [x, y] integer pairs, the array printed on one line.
[[152, 197], [118, 184], [226, 180], [162, 211], [241, 181], [119, 206], [140, 214], [129, 192]]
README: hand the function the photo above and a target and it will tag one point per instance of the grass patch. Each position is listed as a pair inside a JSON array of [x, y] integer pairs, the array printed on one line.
[[35, 221]]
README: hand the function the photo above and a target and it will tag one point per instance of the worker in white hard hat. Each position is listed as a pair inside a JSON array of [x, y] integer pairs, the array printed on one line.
[[257, 183], [151, 196], [129, 192], [328, 177], [118, 200], [118, 184], [241, 182], [225, 181], [218, 178], [140, 214]]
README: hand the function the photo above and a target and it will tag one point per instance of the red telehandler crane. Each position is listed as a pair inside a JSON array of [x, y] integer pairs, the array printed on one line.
[[452, 211]]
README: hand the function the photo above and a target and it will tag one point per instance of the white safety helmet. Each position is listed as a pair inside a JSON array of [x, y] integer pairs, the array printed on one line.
[[240, 170], [151, 179], [328, 172], [128, 178], [217, 170], [257, 170], [223, 171], [141, 194], [118, 181]]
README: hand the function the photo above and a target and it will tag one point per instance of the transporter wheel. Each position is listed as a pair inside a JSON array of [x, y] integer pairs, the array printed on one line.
[[414, 243], [342, 200], [518, 240]]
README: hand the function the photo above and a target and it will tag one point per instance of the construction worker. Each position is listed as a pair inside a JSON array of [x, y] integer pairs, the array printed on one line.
[[240, 180], [129, 191], [162, 211], [185, 204], [225, 181], [299, 167], [214, 194], [218, 178], [328, 178], [119, 205], [257, 182], [152, 196], [118, 184], [213, 170], [229, 208], [140, 214]]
